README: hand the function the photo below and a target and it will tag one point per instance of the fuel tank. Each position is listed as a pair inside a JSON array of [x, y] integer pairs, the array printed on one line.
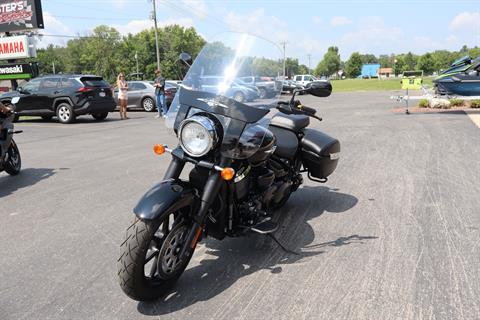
[[266, 148]]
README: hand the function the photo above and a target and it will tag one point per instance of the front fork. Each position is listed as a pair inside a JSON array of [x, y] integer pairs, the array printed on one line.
[[210, 192]]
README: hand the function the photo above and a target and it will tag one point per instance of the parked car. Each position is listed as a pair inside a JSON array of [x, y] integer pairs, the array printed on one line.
[[141, 94], [236, 91], [265, 87], [289, 86], [63, 96], [304, 79]]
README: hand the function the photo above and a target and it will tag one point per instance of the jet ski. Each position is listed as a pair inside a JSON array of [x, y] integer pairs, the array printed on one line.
[[461, 78]]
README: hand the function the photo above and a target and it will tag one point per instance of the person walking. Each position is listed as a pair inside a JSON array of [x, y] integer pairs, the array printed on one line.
[[159, 85], [122, 95]]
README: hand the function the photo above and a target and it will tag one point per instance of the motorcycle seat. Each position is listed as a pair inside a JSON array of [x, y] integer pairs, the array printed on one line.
[[294, 123]]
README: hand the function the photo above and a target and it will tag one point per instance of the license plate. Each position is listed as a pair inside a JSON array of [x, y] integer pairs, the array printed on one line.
[[102, 94]]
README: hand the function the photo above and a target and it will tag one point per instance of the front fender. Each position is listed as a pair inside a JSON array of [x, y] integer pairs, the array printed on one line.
[[165, 197]]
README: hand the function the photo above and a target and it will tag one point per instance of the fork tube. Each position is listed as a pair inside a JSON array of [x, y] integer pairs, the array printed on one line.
[[174, 169]]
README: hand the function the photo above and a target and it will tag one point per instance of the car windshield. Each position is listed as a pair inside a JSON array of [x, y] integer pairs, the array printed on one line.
[[212, 80]]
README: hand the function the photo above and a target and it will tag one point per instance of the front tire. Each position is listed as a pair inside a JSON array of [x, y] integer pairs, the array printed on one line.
[[100, 116], [239, 97], [14, 161], [148, 104], [150, 247], [65, 113]]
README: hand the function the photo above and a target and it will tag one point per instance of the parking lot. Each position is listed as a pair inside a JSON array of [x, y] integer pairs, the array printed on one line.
[[394, 234]]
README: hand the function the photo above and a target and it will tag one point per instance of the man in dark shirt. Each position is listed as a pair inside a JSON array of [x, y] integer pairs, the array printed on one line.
[[159, 85]]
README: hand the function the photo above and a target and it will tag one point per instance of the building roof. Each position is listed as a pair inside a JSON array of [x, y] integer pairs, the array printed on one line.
[[385, 70]]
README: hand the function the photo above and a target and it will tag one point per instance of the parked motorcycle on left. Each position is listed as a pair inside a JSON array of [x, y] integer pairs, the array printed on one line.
[[10, 159]]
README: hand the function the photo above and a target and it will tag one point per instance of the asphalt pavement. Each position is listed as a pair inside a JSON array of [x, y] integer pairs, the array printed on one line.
[[394, 234]]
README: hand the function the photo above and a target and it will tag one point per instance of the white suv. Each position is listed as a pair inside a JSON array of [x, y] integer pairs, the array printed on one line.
[[304, 79]]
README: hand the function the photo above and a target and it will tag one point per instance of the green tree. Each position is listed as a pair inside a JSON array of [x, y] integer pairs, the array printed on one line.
[[369, 58], [426, 63], [330, 63], [410, 61], [353, 67]]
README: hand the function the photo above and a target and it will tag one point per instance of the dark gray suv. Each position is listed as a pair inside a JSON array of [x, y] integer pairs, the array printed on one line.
[[63, 96]]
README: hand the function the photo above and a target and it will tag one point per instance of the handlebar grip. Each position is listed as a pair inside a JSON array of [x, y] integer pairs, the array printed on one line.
[[307, 110]]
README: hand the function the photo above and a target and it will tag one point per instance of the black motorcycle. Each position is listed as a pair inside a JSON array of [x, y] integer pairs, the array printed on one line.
[[246, 164], [10, 159]]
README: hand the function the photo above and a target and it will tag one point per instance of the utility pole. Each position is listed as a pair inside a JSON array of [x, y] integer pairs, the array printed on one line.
[[283, 44], [53, 66], [136, 60], [309, 68], [154, 17]]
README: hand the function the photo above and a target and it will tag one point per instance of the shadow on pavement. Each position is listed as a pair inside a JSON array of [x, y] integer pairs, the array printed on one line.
[[233, 258], [27, 177]]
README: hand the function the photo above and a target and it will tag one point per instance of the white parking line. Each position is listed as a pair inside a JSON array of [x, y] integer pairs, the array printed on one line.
[[474, 116]]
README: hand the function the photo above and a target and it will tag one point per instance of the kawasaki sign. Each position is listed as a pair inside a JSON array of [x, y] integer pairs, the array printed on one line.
[[18, 71], [20, 15]]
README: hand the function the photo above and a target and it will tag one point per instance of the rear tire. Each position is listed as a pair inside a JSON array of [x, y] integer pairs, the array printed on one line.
[[148, 104], [65, 113], [147, 243], [100, 116], [14, 162]]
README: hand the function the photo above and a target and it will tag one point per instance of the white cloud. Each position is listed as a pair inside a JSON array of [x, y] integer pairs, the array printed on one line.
[[198, 7], [53, 26], [317, 20], [258, 23], [136, 26], [372, 36], [425, 42], [466, 21], [340, 21]]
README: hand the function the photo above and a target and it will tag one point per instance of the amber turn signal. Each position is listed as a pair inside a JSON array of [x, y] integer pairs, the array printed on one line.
[[227, 174], [159, 149]]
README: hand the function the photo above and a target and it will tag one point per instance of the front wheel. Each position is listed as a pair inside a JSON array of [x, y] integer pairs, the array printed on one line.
[[149, 265], [14, 161]]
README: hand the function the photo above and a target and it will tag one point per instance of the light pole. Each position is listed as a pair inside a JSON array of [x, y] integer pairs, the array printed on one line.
[[154, 17], [309, 68], [136, 60], [283, 43]]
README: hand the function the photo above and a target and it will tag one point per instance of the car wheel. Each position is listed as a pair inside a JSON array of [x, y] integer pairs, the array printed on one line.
[[148, 104], [238, 96], [262, 93], [47, 118], [100, 116], [65, 113]]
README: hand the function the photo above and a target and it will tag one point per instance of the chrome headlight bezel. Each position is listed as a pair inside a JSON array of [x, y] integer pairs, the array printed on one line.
[[210, 130]]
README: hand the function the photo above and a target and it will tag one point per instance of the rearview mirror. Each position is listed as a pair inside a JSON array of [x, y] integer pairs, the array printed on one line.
[[186, 58], [319, 88]]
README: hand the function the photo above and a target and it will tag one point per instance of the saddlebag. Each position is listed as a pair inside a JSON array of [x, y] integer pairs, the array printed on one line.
[[320, 153]]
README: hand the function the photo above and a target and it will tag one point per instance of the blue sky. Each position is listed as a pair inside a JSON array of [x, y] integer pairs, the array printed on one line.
[[308, 26]]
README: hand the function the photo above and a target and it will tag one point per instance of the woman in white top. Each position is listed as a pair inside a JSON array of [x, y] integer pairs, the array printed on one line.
[[122, 95]]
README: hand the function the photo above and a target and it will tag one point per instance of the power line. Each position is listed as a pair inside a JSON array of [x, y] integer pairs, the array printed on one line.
[[97, 18]]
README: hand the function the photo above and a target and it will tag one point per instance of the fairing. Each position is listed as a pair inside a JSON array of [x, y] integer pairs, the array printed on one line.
[[211, 86]]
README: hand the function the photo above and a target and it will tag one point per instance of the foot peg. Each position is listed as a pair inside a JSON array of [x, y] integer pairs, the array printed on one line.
[[265, 227]]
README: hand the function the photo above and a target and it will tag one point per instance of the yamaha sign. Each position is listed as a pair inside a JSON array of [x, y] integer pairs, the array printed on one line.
[[18, 47]]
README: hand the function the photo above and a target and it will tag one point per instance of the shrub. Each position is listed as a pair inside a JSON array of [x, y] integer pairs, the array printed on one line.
[[475, 103], [423, 103], [456, 102]]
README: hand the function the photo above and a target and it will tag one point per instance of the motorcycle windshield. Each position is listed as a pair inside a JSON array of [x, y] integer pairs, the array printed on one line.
[[234, 78]]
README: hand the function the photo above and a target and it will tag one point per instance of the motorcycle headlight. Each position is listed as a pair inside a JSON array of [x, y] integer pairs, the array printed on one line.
[[197, 135]]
